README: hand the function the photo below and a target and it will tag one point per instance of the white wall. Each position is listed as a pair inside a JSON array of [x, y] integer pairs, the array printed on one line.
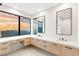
[[50, 25], [50, 20], [14, 11], [16, 45], [78, 22]]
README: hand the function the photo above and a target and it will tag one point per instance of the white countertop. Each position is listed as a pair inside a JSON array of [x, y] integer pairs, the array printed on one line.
[[6, 39], [74, 44]]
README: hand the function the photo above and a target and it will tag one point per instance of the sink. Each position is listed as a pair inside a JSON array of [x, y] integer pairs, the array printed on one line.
[[62, 41]]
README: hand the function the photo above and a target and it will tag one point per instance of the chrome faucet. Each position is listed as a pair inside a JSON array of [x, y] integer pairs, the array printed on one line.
[[39, 35], [62, 39]]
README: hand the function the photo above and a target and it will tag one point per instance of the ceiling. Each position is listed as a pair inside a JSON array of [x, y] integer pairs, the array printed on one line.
[[31, 8]]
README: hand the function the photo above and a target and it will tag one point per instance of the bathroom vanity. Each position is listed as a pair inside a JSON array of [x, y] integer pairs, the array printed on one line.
[[60, 48]]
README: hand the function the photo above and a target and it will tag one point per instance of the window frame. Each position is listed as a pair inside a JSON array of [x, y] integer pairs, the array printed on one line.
[[18, 22]]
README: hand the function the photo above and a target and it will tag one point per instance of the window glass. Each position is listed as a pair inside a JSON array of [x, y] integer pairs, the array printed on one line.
[[25, 26], [8, 24]]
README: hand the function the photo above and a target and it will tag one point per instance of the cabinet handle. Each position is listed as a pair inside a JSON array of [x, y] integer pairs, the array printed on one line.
[[4, 49], [45, 42], [44, 46], [4, 43], [37, 40], [68, 47], [54, 44]]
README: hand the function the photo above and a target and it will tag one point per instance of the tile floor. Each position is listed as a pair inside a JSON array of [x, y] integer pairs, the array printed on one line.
[[29, 51]]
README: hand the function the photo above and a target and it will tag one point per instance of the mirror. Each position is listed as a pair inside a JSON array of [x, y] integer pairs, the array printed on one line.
[[64, 22], [35, 26], [41, 24], [40, 27]]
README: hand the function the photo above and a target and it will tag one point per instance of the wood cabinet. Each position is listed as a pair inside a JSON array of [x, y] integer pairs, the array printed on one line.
[[44, 45], [36, 42], [51, 47], [62, 50], [40, 43], [4, 48], [25, 41], [55, 48], [69, 51]]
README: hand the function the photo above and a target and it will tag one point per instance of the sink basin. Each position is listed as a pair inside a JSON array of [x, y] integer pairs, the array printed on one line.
[[62, 41]]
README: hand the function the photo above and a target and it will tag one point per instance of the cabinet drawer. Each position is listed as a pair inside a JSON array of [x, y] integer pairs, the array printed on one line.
[[55, 48], [33, 41], [43, 42], [3, 45], [25, 41], [69, 51], [4, 51], [36, 42], [44, 45], [4, 48]]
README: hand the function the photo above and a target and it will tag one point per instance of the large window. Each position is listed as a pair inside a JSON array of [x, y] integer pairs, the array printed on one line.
[[8, 25], [25, 26], [13, 25]]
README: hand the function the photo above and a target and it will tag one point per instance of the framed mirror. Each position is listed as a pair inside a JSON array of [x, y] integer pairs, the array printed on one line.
[[35, 26], [64, 22], [41, 24]]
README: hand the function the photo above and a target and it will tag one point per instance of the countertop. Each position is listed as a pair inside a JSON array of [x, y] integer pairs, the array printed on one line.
[[74, 44]]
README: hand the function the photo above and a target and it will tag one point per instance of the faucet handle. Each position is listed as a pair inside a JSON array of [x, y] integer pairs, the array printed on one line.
[[62, 39], [59, 39], [39, 35]]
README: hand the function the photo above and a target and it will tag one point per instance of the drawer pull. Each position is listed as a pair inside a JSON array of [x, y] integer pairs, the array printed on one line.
[[54, 44], [3, 43], [4, 49], [44, 46], [45, 42], [68, 47]]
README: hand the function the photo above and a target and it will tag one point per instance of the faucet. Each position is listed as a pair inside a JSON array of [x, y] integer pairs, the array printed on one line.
[[62, 39], [39, 35]]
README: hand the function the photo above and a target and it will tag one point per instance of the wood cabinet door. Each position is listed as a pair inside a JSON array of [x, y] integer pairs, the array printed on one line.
[[44, 45], [69, 51], [36, 42], [55, 48], [4, 48], [27, 42]]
